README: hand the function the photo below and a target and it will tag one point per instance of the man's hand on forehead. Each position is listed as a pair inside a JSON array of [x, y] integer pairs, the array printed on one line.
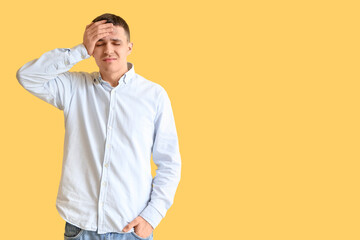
[[95, 31]]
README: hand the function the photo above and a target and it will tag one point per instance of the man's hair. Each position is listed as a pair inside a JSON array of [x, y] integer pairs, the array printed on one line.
[[116, 20]]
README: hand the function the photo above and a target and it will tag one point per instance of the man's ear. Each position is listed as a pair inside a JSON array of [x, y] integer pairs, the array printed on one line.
[[130, 47]]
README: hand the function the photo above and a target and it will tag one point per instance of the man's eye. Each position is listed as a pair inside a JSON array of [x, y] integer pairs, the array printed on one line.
[[117, 44], [99, 45]]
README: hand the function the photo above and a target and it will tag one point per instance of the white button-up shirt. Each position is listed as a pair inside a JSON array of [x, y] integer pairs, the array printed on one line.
[[110, 134]]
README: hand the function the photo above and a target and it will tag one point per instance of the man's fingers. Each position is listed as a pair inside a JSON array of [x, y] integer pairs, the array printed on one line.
[[95, 31], [96, 23], [92, 29], [99, 24], [105, 25], [129, 226], [87, 26], [92, 23], [99, 33], [102, 30]]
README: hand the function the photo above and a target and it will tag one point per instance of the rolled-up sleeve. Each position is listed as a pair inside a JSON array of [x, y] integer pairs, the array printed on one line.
[[166, 156], [48, 78]]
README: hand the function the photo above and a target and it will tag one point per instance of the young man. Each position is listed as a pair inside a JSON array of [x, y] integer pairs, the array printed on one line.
[[114, 120]]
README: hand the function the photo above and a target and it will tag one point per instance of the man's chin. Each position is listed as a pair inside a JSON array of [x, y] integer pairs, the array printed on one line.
[[109, 69]]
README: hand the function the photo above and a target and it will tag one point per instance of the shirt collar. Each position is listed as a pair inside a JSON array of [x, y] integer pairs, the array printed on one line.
[[125, 78]]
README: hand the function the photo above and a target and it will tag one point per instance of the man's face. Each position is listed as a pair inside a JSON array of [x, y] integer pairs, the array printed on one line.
[[111, 52]]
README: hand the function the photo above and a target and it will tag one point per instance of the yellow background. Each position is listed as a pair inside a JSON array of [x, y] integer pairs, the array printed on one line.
[[266, 101]]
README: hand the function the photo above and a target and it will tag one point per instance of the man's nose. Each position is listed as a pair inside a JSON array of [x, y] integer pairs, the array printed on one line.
[[108, 49]]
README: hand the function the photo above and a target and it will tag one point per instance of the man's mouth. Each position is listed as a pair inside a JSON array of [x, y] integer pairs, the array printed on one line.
[[109, 59]]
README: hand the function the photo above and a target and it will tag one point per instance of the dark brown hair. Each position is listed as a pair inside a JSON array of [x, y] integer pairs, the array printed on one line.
[[116, 20]]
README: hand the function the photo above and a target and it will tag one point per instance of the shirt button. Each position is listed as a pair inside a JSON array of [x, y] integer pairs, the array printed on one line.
[[108, 146], [104, 183], [106, 165], [109, 128]]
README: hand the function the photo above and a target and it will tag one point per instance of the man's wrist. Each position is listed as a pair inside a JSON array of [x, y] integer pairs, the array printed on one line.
[[78, 53], [151, 215], [147, 222]]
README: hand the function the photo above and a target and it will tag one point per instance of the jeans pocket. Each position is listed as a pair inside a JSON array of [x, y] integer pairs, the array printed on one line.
[[138, 237], [72, 231]]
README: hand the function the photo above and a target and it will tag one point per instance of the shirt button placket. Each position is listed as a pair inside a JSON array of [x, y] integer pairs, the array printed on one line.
[[107, 155]]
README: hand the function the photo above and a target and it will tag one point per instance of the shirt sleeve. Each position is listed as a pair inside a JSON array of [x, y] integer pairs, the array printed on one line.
[[166, 156], [48, 78]]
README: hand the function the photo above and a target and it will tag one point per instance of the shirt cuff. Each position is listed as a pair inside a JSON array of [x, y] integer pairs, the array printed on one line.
[[78, 53], [151, 215]]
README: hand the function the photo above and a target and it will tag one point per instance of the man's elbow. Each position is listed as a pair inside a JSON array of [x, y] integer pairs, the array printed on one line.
[[25, 77], [20, 76]]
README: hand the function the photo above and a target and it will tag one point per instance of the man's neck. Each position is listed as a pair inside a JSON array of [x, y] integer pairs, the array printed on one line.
[[113, 78]]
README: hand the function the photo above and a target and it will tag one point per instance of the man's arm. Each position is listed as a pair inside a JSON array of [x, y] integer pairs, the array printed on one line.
[[48, 78], [166, 156]]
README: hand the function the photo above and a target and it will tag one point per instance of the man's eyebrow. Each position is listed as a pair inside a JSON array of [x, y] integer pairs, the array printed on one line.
[[113, 39]]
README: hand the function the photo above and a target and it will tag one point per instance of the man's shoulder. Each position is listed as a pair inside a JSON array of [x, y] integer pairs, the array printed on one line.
[[81, 75], [147, 84]]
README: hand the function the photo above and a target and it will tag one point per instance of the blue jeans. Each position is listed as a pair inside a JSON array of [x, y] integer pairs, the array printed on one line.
[[75, 233]]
